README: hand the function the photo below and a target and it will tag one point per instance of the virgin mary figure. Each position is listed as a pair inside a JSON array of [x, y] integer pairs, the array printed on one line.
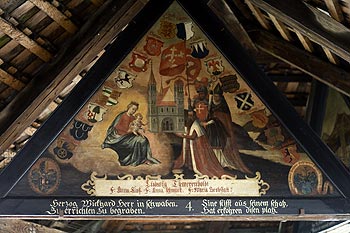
[[132, 149]]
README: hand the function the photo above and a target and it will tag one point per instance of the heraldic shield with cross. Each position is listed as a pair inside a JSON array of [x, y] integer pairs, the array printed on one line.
[[175, 119]]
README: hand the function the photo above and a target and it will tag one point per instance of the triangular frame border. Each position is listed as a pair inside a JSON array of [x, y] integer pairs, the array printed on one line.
[[335, 171]]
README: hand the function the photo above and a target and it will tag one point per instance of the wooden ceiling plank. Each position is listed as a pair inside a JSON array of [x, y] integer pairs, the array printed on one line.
[[74, 3], [258, 15], [56, 15], [113, 226], [22, 60], [319, 27], [24, 40], [15, 225], [331, 57], [29, 23], [306, 62], [21, 12], [97, 3], [33, 66], [281, 28], [335, 10], [9, 80], [38, 21], [6, 93], [223, 11], [112, 17], [306, 42], [52, 31], [218, 227], [11, 50]]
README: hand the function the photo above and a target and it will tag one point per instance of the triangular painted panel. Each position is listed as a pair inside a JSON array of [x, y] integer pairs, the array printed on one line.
[[174, 119]]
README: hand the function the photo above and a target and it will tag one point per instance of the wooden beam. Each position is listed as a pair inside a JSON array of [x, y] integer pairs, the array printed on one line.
[[319, 27], [306, 62], [24, 40], [113, 226], [283, 30], [73, 4], [331, 57], [56, 15], [335, 10], [300, 78], [346, 10], [243, 9], [258, 15], [93, 37], [306, 42], [223, 11], [15, 226], [218, 227], [10, 81]]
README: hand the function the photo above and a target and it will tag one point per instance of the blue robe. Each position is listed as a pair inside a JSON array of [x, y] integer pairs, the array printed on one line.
[[132, 149]]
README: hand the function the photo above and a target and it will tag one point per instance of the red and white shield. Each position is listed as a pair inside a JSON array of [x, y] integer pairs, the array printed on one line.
[[173, 60], [202, 111], [139, 62], [214, 66], [153, 46]]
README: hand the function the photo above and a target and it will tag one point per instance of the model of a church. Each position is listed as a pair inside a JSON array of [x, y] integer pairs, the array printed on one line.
[[165, 107]]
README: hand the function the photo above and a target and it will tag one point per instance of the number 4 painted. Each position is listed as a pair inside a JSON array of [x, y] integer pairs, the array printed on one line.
[[189, 206]]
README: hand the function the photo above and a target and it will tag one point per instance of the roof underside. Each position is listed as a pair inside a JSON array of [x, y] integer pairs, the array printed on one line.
[[46, 47]]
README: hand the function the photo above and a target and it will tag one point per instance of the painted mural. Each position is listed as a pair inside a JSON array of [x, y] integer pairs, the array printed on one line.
[[175, 118], [336, 129]]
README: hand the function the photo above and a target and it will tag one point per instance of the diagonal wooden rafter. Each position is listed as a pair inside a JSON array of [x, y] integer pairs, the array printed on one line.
[[319, 27], [11, 81], [24, 40], [335, 10], [56, 15], [223, 11], [305, 41], [281, 28], [308, 63], [331, 57], [258, 15], [93, 37]]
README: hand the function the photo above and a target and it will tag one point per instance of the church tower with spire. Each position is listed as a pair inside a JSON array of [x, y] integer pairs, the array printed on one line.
[[165, 107], [179, 100], [152, 102]]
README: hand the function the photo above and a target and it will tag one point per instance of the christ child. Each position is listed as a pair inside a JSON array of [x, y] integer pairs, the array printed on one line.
[[137, 126]]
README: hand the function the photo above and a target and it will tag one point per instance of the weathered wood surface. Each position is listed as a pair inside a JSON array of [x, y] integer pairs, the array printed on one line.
[[308, 63], [223, 11], [20, 226], [56, 15], [258, 15], [47, 85], [335, 10], [24, 40], [319, 27]]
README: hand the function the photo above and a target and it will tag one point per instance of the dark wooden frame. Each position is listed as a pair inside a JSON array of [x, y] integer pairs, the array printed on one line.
[[230, 47]]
